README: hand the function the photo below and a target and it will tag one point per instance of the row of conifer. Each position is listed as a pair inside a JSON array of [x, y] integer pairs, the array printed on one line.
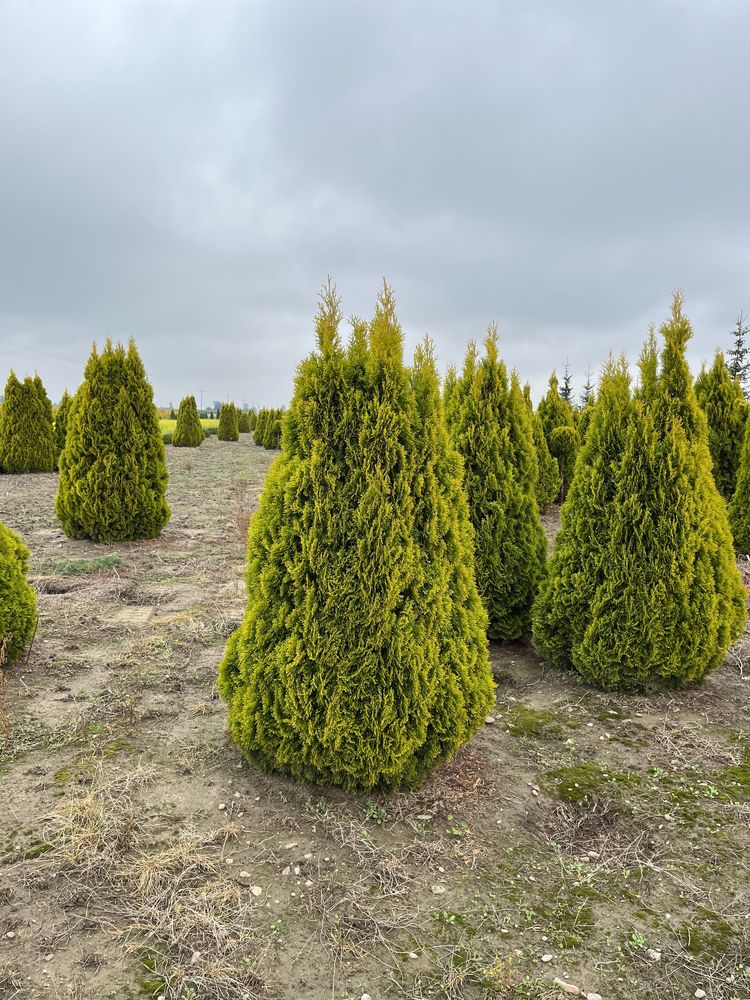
[[399, 526]]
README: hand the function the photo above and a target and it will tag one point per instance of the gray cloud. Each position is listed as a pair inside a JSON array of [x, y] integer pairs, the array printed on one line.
[[189, 173]]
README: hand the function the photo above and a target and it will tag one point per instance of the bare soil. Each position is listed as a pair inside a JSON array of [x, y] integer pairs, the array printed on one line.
[[599, 839]]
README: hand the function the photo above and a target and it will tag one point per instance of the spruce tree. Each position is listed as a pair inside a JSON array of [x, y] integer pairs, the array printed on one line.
[[739, 355], [189, 430], [588, 389], [494, 435], [361, 661], [739, 507], [229, 426], [548, 478], [721, 399], [558, 423], [566, 390], [17, 598], [61, 424], [643, 587], [113, 475], [260, 427], [27, 440]]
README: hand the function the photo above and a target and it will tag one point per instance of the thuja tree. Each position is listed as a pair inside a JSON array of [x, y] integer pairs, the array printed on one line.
[[260, 427], [252, 418], [243, 422], [113, 475], [494, 435], [272, 433], [558, 423], [664, 598], [229, 426], [560, 614], [362, 660], [721, 398], [739, 507], [17, 598], [189, 430], [548, 476], [27, 441], [61, 424]]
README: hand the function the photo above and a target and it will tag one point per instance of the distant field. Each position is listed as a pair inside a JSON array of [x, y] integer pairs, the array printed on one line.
[[168, 426]]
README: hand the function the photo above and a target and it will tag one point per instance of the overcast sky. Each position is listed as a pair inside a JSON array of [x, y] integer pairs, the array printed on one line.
[[189, 172]]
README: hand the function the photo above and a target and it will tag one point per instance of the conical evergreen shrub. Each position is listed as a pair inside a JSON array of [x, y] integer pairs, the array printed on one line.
[[17, 598], [243, 424], [229, 425], [259, 434], [548, 478], [113, 475], [252, 418], [27, 440], [563, 440], [362, 660], [722, 400], [739, 507], [189, 430], [272, 432], [561, 611], [61, 424], [643, 587], [494, 435]]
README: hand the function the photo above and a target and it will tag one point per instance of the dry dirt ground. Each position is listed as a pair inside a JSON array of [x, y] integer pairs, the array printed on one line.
[[601, 840]]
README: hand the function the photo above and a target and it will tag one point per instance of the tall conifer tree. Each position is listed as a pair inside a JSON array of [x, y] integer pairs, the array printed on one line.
[[361, 661], [739, 355], [494, 435], [722, 400], [113, 474], [739, 507], [645, 588], [548, 479], [259, 433], [558, 423], [61, 424], [27, 442]]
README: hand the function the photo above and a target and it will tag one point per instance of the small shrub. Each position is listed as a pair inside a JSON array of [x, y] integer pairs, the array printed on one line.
[[228, 423], [113, 475], [17, 598], [188, 432]]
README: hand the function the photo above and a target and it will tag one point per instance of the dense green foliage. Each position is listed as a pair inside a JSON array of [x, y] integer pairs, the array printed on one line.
[[268, 424], [27, 439], [229, 424], [642, 586], [722, 400], [113, 475], [17, 598], [272, 432], [243, 422], [189, 431], [548, 474], [61, 424], [739, 506], [259, 433], [493, 433], [362, 658], [558, 422]]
